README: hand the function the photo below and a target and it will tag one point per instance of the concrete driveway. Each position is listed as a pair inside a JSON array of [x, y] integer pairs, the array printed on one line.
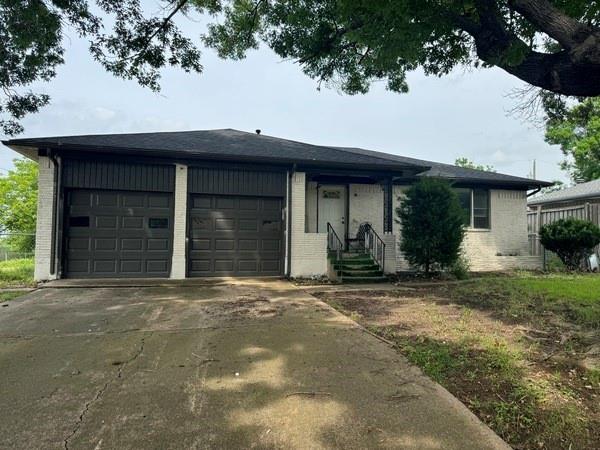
[[248, 364]]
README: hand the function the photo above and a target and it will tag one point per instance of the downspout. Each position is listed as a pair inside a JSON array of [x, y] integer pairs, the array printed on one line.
[[55, 189], [289, 222], [535, 191]]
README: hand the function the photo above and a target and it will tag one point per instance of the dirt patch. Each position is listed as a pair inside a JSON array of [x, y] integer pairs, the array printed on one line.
[[251, 305], [523, 377]]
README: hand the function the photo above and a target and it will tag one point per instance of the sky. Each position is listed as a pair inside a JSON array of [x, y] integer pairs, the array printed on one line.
[[464, 114]]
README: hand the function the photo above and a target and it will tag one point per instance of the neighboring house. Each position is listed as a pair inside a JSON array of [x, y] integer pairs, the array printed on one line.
[[581, 201], [226, 202]]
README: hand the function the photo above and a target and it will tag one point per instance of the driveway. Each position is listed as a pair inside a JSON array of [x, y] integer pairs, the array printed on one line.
[[227, 364]]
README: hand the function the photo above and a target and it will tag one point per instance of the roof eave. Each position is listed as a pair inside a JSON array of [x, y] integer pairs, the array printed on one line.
[[34, 145]]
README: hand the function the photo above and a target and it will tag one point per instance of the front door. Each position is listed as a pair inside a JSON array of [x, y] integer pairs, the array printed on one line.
[[332, 209]]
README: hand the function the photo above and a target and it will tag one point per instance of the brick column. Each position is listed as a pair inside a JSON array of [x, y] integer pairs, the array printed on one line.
[[178, 262], [45, 214]]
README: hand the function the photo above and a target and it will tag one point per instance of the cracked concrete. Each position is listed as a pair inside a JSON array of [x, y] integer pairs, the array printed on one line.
[[237, 364]]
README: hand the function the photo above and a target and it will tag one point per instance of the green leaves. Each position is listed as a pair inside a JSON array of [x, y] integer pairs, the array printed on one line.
[[571, 239], [432, 225], [18, 204], [576, 129]]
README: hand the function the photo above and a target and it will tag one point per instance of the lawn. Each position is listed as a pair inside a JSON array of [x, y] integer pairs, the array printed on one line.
[[16, 273], [518, 351]]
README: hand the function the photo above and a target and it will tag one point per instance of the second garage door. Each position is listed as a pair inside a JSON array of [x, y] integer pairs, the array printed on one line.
[[235, 235]]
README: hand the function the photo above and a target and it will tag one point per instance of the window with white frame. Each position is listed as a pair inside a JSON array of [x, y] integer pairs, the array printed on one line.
[[476, 205]]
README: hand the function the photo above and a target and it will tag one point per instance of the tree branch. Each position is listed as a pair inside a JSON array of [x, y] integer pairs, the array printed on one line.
[[552, 21]]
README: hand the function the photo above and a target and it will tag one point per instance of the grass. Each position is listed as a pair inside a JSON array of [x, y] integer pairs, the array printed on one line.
[[16, 273], [573, 297], [10, 295], [508, 347]]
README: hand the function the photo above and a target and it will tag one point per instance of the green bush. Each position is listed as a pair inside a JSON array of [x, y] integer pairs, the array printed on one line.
[[432, 225], [571, 239]]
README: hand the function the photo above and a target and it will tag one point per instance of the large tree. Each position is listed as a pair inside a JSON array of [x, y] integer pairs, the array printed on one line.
[[576, 128], [551, 44], [18, 205]]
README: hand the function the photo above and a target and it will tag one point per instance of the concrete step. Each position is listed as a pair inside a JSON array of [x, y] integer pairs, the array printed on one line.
[[359, 266], [361, 273], [381, 279]]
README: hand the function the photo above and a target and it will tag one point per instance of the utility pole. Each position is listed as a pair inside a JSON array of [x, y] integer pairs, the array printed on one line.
[[533, 171]]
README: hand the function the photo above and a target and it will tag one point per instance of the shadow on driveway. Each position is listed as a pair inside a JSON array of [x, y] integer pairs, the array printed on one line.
[[226, 365]]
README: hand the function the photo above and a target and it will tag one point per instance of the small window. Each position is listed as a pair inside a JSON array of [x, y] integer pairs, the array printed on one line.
[[481, 208], [476, 206], [79, 221], [158, 222], [331, 194]]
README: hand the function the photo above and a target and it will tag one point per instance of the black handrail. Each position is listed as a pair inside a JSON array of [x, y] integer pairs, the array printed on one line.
[[375, 246], [334, 243]]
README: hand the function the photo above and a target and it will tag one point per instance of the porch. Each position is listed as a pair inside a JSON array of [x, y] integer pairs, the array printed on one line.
[[342, 226]]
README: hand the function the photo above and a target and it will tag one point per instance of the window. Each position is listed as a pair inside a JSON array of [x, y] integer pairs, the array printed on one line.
[[158, 222], [79, 221], [481, 208], [476, 205]]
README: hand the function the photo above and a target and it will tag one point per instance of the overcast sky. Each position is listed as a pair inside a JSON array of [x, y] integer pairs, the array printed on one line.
[[440, 119]]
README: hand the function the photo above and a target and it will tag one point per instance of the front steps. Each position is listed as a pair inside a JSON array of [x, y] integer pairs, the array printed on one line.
[[356, 266]]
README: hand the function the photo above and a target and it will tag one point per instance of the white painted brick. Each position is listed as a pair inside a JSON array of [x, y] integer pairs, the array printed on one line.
[[366, 205], [308, 250], [45, 212], [178, 262], [503, 247]]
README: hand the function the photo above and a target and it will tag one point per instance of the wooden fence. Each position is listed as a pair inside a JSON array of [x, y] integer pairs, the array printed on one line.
[[540, 217]]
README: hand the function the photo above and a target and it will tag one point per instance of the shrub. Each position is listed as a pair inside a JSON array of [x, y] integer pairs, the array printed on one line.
[[571, 239], [432, 225]]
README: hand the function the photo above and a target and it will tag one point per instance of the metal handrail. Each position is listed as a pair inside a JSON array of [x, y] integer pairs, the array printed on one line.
[[375, 246], [334, 243]]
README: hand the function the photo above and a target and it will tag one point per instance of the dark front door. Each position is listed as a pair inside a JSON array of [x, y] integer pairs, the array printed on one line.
[[118, 234], [235, 235]]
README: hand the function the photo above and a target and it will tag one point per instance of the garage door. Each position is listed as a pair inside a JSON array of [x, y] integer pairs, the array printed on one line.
[[118, 234], [235, 235]]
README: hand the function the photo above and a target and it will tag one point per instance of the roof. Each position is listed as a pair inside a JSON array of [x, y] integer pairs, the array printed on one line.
[[237, 145], [441, 170], [579, 191]]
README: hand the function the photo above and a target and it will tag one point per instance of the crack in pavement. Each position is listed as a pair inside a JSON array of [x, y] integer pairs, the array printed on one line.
[[101, 392]]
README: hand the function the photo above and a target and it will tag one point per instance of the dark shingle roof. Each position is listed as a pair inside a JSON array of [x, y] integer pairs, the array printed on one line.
[[238, 145], [583, 190], [228, 143], [449, 171]]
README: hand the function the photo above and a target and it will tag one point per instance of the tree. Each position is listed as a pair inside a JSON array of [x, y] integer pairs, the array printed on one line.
[[552, 44], [571, 239], [465, 162], [18, 205], [432, 225], [576, 128]]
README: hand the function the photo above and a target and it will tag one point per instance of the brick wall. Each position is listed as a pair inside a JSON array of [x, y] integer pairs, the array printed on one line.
[[308, 250], [45, 212], [503, 247], [366, 205], [178, 262]]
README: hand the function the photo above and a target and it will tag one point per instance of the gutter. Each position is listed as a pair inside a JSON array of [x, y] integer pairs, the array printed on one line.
[[539, 188], [289, 222], [55, 187]]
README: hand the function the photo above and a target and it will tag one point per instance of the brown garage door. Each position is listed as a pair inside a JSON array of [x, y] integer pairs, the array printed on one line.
[[235, 235], [118, 234]]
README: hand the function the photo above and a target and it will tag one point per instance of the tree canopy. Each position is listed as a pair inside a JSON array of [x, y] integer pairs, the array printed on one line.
[[18, 205], [467, 163], [551, 44], [576, 128]]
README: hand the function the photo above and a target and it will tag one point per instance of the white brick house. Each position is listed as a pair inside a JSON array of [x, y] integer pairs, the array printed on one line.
[[229, 203]]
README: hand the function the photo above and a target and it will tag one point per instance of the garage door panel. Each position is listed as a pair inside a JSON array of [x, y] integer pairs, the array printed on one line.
[[116, 239], [235, 235]]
